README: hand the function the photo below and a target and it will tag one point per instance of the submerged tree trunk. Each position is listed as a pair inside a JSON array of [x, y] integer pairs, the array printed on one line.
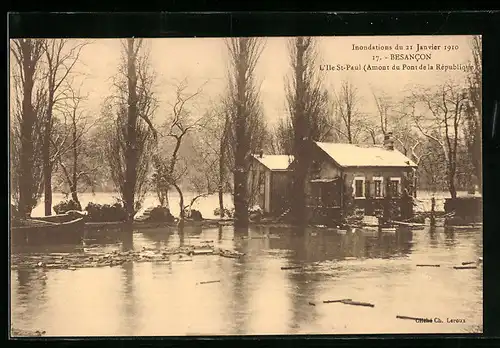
[[245, 111], [181, 204], [27, 53], [27, 149], [222, 168], [306, 103], [131, 158], [47, 170]]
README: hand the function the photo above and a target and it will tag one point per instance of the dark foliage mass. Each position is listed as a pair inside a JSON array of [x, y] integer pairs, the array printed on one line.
[[105, 212], [65, 206]]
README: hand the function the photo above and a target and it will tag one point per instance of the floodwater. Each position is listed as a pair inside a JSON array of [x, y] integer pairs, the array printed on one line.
[[253, 295]]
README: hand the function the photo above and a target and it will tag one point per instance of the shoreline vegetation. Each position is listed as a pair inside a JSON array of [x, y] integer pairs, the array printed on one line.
[[140, 145]]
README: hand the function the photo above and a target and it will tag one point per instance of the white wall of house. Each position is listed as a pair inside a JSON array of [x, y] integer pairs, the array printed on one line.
[[267, 194]]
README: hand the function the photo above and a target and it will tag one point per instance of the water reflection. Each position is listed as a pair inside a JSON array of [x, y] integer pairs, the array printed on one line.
[[30, 292], [129, 298], [433, 236], [255, 295], [240, 296]]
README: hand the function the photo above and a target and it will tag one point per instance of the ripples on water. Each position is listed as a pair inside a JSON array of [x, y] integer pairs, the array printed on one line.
[[254, 295]]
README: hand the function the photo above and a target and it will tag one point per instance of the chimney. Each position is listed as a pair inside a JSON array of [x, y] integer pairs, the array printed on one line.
[[388, 141], [261, 153]]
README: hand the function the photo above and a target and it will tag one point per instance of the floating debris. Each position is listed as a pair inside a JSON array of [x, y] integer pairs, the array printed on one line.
[[464, 267], [312, 304], [92, 258], [428, 265], [291, 267], [408, 318], [468, 263], [230, 254], [201, 252], [210, 282], [356, 303], [337, 301]]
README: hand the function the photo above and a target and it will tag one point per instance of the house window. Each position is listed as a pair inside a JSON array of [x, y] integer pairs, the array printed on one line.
[[378, 184], [395, 186], [359, 187]]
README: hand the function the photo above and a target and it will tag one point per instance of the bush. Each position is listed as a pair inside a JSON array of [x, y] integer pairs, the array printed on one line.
[[196, 215], [106, 212], [227, 212], [160, 214], [65, 206], [255, 210]]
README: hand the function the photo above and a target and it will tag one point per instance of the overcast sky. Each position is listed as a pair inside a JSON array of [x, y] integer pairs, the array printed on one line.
[[199, 59]]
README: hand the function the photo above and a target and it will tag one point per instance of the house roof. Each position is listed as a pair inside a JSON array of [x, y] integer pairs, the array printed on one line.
[[350, 155], [275, 162]]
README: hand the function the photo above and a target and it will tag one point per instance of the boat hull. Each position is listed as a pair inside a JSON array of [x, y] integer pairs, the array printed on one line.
[[57, 229]]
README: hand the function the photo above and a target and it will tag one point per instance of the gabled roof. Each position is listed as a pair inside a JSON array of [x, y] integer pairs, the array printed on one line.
[[275, 162], [349, 155]]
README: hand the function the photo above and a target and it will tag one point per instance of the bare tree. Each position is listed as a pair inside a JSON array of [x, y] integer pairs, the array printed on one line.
[[282, 137], [61, 57], [440, 120], [213, 146], [244, 109], [78, 172], [183, 120], [27, 126], [346, 105], [307, 102], [131, 135]]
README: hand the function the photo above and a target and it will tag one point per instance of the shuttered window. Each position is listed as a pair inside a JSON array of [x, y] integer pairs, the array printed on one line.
[[378, 183]]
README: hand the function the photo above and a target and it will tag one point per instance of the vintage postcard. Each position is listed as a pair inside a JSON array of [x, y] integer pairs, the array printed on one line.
[[246, 186]]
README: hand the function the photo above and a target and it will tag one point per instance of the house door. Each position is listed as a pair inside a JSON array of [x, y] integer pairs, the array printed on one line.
[[330, 194]]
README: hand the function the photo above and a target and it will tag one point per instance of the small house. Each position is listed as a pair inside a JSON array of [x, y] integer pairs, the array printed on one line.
[[358, 177], [269, 182]]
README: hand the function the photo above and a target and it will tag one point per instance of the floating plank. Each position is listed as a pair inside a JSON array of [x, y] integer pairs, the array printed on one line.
[[210, 282], [356, 303], [468, 263], [291, 267], [464, 267], [428, 265], [312, 304], [229, 256], [201, 251], [408, 318], [337, 301]]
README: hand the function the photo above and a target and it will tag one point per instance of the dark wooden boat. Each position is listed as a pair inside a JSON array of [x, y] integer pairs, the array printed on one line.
[[66, 228]]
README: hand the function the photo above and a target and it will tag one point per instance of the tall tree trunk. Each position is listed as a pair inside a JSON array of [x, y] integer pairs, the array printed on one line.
[[131, 139], [181, 204], [242, 141], [47, 168], [300, 137], [222, 168], [74, 186], [27, 123], [451, 181]]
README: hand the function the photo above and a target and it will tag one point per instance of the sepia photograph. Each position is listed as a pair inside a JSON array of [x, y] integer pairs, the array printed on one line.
[[245, 186]]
